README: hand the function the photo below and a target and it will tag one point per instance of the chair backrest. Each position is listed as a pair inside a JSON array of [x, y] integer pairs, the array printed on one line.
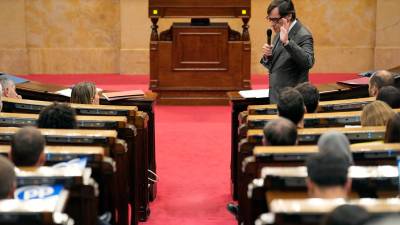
[[90, 122], [32, 212], [324, 106], [34, 106], [362, 152], [312, 211], [379, 178], [335, 119], [55, 154], [311, 135]]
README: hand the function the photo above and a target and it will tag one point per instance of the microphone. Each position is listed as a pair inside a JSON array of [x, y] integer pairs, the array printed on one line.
[[269, 35]]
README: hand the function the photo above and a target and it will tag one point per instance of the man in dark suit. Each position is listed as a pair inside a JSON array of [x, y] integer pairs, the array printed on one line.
[[291, 53]]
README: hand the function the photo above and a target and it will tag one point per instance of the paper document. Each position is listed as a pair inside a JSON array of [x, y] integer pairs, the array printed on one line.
[[65, 92], [260, 93]]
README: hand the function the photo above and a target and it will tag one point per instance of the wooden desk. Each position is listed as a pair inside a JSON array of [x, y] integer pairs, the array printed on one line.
[[47, 92], [353, 104], [106, 138], [239, 104], [312, 211], [290, 156], [289, 182], [143, 122]]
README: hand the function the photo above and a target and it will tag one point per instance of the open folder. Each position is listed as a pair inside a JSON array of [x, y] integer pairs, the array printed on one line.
[[111, 96]]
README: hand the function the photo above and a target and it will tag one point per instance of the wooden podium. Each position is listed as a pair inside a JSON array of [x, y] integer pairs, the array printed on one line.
[[197, 63]]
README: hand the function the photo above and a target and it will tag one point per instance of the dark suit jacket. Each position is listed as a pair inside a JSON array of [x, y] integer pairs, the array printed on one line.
[[290, 64]]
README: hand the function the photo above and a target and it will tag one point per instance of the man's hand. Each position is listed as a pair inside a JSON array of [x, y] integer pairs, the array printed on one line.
[[284, 34], [267, 50]]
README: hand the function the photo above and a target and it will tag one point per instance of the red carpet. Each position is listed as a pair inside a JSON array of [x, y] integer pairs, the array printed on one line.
[[193, 152]]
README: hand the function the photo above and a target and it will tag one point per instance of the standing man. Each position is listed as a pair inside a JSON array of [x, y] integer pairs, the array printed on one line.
[[291, 53]]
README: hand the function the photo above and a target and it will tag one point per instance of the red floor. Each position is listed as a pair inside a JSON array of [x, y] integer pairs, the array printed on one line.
[[193, 152]]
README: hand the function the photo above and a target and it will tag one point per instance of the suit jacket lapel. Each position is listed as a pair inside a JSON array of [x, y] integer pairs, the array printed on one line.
[[278, 49]]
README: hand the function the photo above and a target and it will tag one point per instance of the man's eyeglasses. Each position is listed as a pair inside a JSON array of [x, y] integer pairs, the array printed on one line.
[[274, 20]]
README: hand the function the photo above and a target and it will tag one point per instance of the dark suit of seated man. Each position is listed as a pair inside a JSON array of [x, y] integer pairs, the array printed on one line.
[[27, 147], [58, 116], [291, 106], [378, 80], [310, 96], [291, 53], [280, 132], [328, 175], [7, 178]]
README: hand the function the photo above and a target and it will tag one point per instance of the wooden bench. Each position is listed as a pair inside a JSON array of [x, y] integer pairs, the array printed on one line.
[[289, 156], [48, 92], [50, 212], [308, 136], [107, 138], [312, 211], [82, 202], [137, 139], [290, 182], [328, 92]]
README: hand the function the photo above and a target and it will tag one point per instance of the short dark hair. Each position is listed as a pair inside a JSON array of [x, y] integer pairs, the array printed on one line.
[[328, 169], [390, 95], [27, 145], [57, 115], [280, 132], [381, 79], [346, 215], [392, 134], [285, 8], [291, 105], [7, 177], [310, 96]]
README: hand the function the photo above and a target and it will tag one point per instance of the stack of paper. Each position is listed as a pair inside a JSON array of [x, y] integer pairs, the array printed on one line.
[[134, 94]]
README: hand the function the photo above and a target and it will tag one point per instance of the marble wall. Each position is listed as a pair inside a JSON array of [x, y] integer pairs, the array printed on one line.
[[112, 36]]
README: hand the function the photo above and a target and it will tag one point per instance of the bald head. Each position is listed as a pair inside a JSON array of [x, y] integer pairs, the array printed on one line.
[[379, 79], [7, 178], [280, 132], [27, 147]]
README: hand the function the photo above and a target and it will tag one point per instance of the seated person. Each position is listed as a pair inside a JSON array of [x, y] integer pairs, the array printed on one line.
[[57, 115], [85, 93], [390, 95], [310, 96], [8, 88], [378, 80], [291, 106], [27, 147], [328, 175], [337, 143], [346, 215], [392, 134], [280, 132], [7, 178], [376, 113]]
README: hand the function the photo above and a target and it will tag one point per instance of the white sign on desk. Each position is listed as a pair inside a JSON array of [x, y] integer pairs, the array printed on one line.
[[260, 93]]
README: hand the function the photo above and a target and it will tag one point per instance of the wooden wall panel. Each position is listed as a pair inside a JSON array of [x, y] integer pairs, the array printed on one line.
[[114, 35]]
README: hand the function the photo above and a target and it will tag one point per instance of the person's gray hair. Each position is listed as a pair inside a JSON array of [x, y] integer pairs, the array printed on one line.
[[5, 83], [337, 143]]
